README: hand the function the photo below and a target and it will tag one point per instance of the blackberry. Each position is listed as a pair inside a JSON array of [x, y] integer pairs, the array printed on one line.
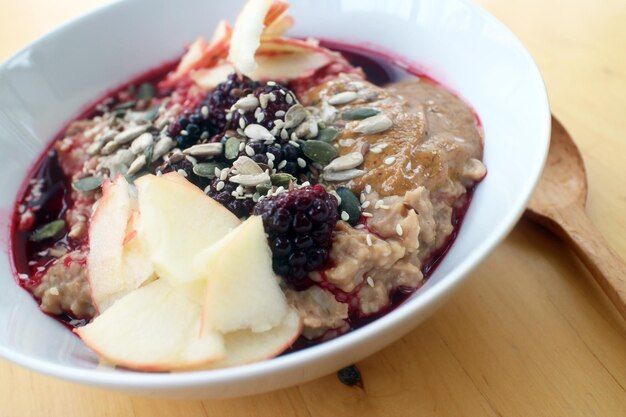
[[299, 224], [220, 100], [350, 376], [284, 158], [223, 194], [180, 165], [276, 99]]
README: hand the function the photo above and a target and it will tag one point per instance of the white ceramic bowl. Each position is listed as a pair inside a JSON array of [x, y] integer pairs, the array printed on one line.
[[48, 82]]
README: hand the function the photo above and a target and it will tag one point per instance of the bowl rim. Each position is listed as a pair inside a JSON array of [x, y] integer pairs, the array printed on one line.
[[399, 316]]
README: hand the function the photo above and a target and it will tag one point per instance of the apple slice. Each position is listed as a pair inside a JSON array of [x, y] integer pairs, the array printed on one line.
[[281, 45], [154, 328], [288, 66], [245, 346], [115, 265], [209, 78], [177, 220], [277, 22], [246, 36], [242, 290], [136, 263], [201, 54]]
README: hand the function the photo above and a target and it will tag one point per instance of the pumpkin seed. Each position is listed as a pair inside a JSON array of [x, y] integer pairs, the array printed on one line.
[[349, 204], [263, 188], [207, 169], [318, 151], [327, 134], [87, 184], [48, 231], [151, 114], [282, 179], [146, 92], [359, 113], [231, 148], [126, 105], [148, 152]]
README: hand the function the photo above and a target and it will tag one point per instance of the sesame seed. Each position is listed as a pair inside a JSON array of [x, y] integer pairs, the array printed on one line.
[[279, 113], [271, 83], [305, 184], [182, 172], [282, 164], [54, 291], [242, 145], [284, 135], [229, 116], [223, 174], [205, 111], [239, 190], [270, 156], [382, 145], [362, 198], [375, 149], [384, 207], [220, 186], [270, 163], [390, 160], [378, 204], [257, 112], [345, 216], [249, 151], [260, 117], [294, 137], [294, 143], [288, 99], [301, 162], [370, 282], [184, 132], [365, 204], [256, 197], [240, 132], [368, 188], [273, 97], [207, 189], [399, 230], [218, 172], [368, 239], [40, 269], [367, 214], [242, 123]]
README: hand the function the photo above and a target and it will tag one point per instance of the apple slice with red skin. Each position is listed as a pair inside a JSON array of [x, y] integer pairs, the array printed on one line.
[[155, 328], [201, 54], [242, 290], [177, 221], [277, 21], [115, 265], [209, 78]]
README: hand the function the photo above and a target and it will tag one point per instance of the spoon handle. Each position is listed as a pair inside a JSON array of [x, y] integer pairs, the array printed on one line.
[[607, 268]]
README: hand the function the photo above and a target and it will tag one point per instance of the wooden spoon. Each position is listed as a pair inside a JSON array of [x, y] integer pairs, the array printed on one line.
[[559, 204]]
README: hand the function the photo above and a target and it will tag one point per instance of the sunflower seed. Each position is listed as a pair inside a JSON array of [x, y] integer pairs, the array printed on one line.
[[250, 180], [87, 184], [247, 166], [307, 129], [163, 146], [344, 97], [129, 134], [137, 165], [359, 113], [318, 151], [109, 148], [95, 147], [348, 161], [141, 143], [257, 132], [47, 231], [327, 134], [339, 176], [374, 124], [205, 150], [294, 116], [247, 103]]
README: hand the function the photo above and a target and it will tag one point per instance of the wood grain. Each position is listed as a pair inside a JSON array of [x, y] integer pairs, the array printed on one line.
[[531, 334]]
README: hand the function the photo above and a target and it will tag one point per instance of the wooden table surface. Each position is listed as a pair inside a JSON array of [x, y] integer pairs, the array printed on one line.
[[529, 335]]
